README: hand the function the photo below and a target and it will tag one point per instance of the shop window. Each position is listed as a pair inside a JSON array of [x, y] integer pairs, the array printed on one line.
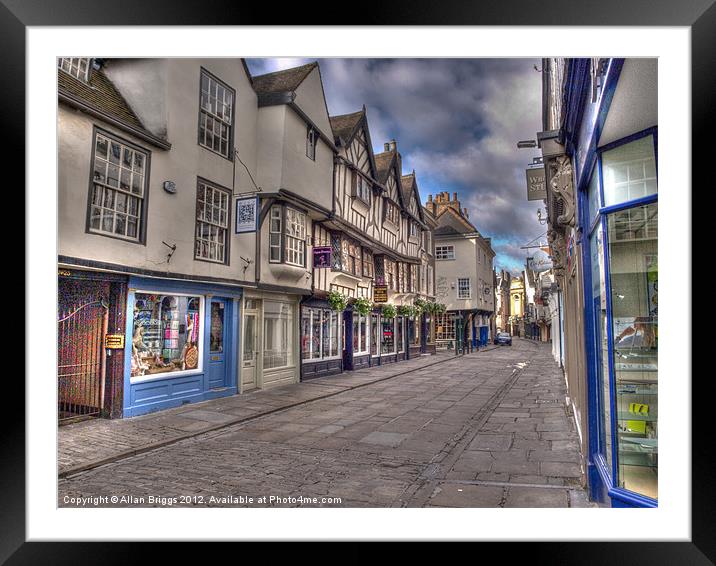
[[320, 334], [119, 184], [387, 338], [400, 333], [212, 223], [278, 334], [414, 331], [629, 171], [360, 334], [166, 335], [634, 274], [216, 114], [445, 326], [374, 335]]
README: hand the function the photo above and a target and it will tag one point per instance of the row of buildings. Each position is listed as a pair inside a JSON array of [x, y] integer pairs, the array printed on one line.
[[599, 147], [220, 232]]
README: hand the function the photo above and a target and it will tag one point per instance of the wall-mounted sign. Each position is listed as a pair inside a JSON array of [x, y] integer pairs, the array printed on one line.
[[321, 257], [114, 341], [536, 185], [380, 294], [246, 214], [540, 261]]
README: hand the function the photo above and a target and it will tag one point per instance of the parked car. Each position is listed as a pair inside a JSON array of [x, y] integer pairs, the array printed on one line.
[[503, 339]]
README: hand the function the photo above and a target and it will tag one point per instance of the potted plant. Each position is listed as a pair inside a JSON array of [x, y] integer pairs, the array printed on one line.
[[337, 301], [388, 311], [362, 306]]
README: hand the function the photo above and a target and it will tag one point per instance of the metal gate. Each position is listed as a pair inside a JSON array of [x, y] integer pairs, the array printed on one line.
[[81, 360]]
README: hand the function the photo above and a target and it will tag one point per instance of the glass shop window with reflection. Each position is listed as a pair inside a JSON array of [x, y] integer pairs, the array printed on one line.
[[278, 334], [166, 334]]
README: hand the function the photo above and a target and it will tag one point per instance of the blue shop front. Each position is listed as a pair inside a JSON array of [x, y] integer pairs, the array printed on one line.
[[615, 152], [181, 343]]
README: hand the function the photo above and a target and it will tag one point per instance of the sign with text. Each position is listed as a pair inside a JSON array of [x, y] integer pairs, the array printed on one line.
[[246, 214], [536, 185], [540, 261], [114, 341], [380, 294], [321, 257]]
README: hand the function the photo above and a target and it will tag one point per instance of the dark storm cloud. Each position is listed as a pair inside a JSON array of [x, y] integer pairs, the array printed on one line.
[[457, 122]]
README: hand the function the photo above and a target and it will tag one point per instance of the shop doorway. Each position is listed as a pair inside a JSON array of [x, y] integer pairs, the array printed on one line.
[[81, 363], [250, 350], [217, 344]]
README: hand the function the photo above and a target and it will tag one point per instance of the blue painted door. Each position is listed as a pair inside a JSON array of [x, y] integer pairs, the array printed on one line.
[[483, 335], [218, 343]]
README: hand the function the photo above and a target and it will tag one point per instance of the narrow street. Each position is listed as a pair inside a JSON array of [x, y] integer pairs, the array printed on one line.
[[489, 429]]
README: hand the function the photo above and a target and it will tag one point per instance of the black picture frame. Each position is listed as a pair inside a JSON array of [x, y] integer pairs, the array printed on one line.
[[699, 15]]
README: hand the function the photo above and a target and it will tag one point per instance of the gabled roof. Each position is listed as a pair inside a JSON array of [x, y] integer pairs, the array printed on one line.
[[383, 163], [287, 80], [469, 226], [99, 96], [409, 184], [346, 125]]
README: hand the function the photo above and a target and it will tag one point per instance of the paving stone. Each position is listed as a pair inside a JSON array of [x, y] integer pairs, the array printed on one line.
[[208, 416], [384, 438], [491, 442], [560, 469], [536, 497], [466, 496]]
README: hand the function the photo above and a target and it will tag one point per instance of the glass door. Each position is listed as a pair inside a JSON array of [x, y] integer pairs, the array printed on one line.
[[250, 353]]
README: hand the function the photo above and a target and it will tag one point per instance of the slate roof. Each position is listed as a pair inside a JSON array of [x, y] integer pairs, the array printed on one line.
[[287, 80], [101, 94], [383, 161], [344, 126]]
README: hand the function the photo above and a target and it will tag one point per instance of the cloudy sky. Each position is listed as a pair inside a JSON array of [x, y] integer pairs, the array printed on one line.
[[457, 123]]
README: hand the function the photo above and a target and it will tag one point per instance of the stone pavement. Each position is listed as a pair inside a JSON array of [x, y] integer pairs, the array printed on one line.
[[87, 444], [489, 429]]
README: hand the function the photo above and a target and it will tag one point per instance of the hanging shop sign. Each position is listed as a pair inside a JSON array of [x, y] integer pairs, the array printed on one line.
[[114, 341], [540, 261], [321, 257], [246, 214], [380, 294], [536, 185]]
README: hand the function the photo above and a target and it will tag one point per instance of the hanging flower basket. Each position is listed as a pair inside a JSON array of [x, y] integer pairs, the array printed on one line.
[[406, 310], [337, 301], [388, 311], [420, 306], [435, 308], [362, 306]]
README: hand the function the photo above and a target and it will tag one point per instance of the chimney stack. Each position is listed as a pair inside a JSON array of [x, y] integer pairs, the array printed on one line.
[[454, 197], [430, 198], [393, 145], [386, 146]]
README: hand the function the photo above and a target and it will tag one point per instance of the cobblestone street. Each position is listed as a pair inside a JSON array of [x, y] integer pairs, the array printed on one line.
[[489, 429]]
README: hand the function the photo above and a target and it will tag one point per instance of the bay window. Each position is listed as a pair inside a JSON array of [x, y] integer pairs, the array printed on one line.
[[287, 236]]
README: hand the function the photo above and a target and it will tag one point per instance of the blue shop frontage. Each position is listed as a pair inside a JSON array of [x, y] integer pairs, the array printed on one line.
[[613, 146], [180, 343]]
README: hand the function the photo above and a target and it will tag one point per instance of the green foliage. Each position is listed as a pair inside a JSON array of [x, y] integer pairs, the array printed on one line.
[[435, 308], [337, 301], [420, 306], [388, 311], [362, 306], [406, 310]]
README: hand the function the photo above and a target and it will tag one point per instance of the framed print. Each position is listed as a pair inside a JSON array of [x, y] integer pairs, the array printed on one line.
[[416, 367]]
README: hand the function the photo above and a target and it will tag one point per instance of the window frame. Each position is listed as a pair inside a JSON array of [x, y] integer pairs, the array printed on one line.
[[283, 209], [311, 142], [144, 216], [88, 70], [459, 289], [230, 140], [444, 249], [227, 243]]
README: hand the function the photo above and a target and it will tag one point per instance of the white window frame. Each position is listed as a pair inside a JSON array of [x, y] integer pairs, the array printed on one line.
[[215, 101], [291, 351], [444, 253], [275, 233], [320, 314], [218, 226], [77, 67], [363, 345], [462, 288], [200, 344], [295, 237], [100, 190]]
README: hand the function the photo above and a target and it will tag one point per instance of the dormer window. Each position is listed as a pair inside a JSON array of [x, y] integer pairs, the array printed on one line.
[[78, 67], [311, 136], [361, 187], [392, 213]]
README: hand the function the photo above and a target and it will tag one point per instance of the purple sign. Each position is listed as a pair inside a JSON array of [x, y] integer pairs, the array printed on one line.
[[321, 257]]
